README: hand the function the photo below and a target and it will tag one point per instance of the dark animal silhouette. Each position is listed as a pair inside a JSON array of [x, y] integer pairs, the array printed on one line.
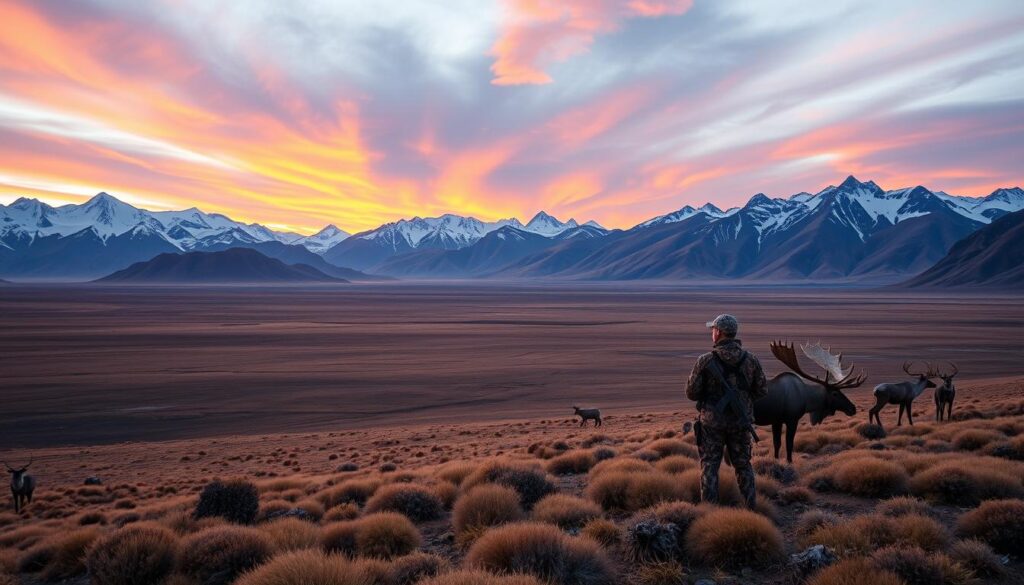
[[586, 414], [945, 394], [22, 485], [901, 393], [791, 395]]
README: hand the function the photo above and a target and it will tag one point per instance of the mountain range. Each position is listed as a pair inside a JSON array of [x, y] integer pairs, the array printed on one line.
[[854, 231], [235, 265]]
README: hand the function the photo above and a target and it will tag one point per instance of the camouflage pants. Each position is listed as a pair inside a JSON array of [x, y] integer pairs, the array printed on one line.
[[714, 443]]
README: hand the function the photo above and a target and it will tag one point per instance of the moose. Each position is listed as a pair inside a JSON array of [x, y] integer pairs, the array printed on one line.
[[902, 393], [22, 485], [791, 395], [586, 414], [945, 394]]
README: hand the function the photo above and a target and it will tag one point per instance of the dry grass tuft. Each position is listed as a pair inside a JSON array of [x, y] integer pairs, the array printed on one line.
[[217, 556], [386, 535], [415, 501], [974, 439], [726, 537], [289, 534], [341, 512], [353, 491], [903, 505], [631, 491], [998, 523], [455, 472], [60, 556], [566, 512], [667, 447], [132, 555], [530, 483], [313, 567], [677, 464], [664, 573], [413, 568], [466, 577], [811, 520], [871, 478], [603, 531], [858, 571], [857, 536], [544, 551], [624, 464], [978, 558], [917, 567], [571, 462], [483, 507], [956, 484], [794, 495]]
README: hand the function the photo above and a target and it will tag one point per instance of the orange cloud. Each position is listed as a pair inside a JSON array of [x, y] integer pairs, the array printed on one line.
[[542, 32]]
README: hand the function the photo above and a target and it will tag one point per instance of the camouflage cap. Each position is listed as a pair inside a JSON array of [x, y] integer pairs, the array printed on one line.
[[727, 324]]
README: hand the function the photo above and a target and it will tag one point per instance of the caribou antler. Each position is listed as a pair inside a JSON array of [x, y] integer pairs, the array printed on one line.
[[906, 368], [9, 468], [835, 377], [956, 370]]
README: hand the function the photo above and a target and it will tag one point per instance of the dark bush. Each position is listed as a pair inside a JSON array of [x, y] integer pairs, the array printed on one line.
[[916, 567], [871, 432], [417, 502], [236, 501], [978, 557], [530, 483]]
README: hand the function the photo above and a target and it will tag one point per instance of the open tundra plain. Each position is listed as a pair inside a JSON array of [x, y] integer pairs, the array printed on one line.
[[391, 433]]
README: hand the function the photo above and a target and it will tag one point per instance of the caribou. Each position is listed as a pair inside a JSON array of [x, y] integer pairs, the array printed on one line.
[[22, 485], [902, 393], [791, 395], [945, 394]]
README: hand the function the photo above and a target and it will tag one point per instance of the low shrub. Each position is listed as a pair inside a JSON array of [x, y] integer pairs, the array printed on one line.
[[625, 464], [999, 523], [978, 557], [132, 555], [871, 478], [571, 462], [676, 464], [217, 556], [631, 491], [236, 501], [530, 483], [340, 537], [667, 447], [567, 512], [603, 531], [917, 567], [857, 536], [795, 495], [922, 531], [455, 472], [902, 506], [857, 571], [661, 573], [484, 506], [871, 432], [60, 556], [974, 439], [413, 568], [812, 520], [543, 551], [773, 468], [415, 501], [341, 512], [289, 534], [648, 537], [727, 537], [467, 577], [313, 567]]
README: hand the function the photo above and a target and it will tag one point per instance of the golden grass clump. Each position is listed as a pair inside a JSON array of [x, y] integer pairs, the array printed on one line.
[[455, 472], [667, 447], [543, 551], [857, 571], [811, 520], [564, 511], [999, 523], [917, 567], [794, 495], [857, 536], [631, 491], [974, 439], [530, 483], [355, 491], [60, 556], [469, 577], [386, 535], [341, 512], [902, 506], [314, 567], [288, 534], [677, 464], [661, 573], [482, 507], [571, 462], [419, 503], [603, 531], [624, 464], [729, 537], [871, 478], [142, 553], [964, 484], [217, 556], [978, 558], [414, 567]]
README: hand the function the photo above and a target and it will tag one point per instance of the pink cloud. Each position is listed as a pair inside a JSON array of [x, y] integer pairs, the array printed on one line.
[[542, 32]]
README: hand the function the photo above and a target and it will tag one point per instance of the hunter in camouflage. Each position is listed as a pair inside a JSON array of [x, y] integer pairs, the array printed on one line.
[[726, 429]]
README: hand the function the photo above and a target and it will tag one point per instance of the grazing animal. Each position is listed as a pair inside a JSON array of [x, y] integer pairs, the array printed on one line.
[[791, 395], [901, 393], [945, 394], [586, 414], [22, 485]]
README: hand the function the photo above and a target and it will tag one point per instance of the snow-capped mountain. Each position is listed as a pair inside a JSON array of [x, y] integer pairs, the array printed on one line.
[[547, 225], [323, 240], [685, 213]]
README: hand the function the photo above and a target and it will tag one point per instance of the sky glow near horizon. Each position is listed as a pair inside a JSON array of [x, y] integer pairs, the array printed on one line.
[[300, 114]]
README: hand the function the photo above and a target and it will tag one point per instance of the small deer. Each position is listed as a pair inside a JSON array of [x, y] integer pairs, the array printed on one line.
[[901, 393], [945, 394], [586, 414], [22, 485]]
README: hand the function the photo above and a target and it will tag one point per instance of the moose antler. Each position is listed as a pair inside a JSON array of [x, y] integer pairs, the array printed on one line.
[[835, 377]]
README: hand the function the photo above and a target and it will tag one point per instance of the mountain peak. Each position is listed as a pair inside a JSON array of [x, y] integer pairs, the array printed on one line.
[[850, 182], [758, 199]]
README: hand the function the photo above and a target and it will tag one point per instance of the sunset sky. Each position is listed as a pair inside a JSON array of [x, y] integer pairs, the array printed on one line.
[[297, 114]]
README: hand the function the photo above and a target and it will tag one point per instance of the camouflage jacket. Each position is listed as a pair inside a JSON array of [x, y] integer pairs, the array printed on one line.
[[706, 390]]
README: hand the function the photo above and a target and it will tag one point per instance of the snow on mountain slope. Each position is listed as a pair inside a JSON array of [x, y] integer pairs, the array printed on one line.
[[686, 213], [322, 241], [547, 225]]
